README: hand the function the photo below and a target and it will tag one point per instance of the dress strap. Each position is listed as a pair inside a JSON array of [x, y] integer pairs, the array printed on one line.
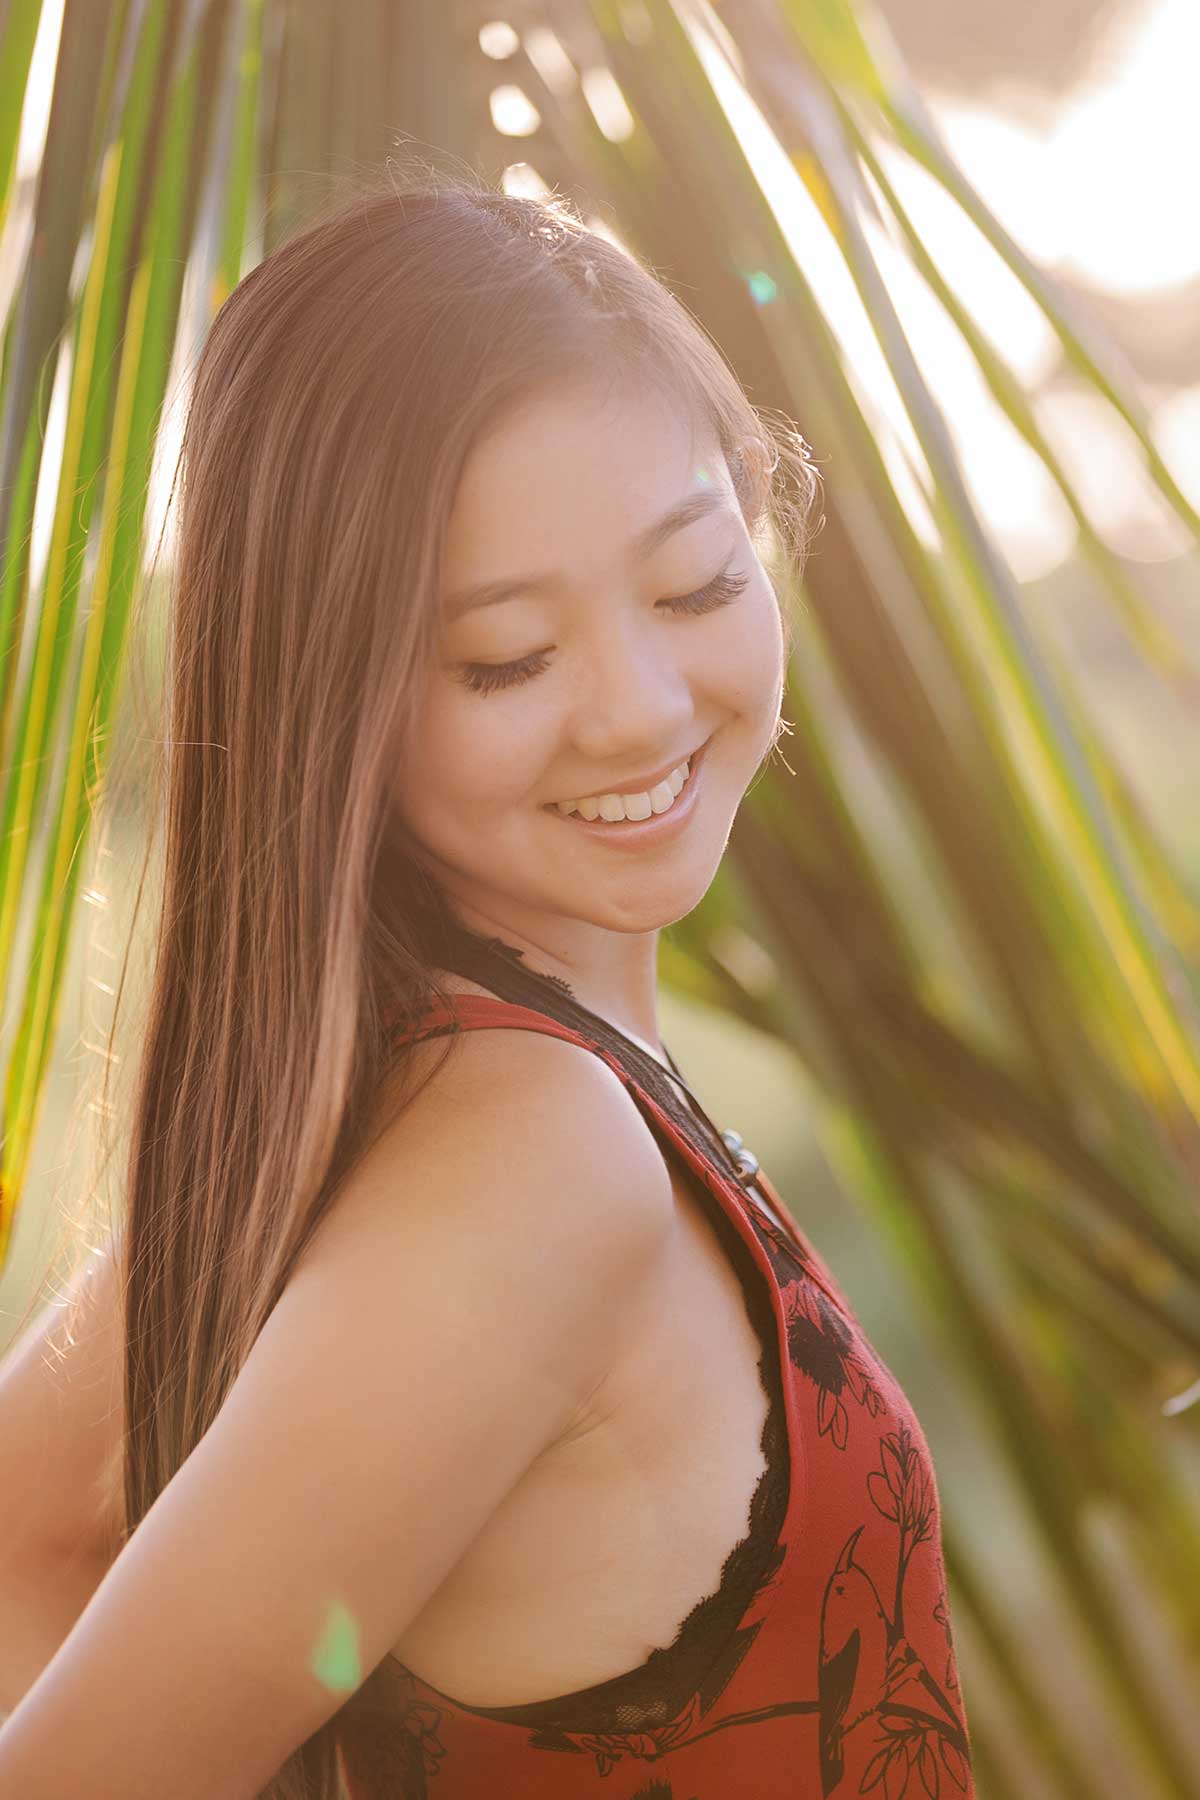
[[646, 1079]]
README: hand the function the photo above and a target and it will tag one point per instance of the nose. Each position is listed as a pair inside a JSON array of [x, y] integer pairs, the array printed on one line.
[[636, 697]]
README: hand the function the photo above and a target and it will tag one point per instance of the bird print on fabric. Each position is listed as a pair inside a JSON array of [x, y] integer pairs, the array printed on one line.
[[869, 1676]]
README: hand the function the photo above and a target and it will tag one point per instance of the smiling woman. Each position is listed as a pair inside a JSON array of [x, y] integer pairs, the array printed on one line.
[[656, 631], [493, 1360]]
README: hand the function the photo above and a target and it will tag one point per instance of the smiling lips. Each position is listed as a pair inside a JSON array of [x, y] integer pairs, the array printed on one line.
[[614, 807], [657, 792]]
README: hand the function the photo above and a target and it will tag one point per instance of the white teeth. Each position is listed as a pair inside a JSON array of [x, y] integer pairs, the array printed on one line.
[[613, 807]]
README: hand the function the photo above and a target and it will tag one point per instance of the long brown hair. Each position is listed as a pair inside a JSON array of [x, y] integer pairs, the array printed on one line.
[[335, 399]]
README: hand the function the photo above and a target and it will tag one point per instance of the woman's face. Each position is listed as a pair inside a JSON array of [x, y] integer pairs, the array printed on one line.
[[610, 683]]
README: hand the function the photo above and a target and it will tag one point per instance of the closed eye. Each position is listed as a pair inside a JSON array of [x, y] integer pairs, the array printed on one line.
[[486, 678]]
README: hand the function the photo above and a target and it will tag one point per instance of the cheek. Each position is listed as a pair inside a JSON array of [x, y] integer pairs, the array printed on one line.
[[470, 763], [749, 659]]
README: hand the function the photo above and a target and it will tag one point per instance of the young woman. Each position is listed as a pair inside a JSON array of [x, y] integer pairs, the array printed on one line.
[[487, 1427]]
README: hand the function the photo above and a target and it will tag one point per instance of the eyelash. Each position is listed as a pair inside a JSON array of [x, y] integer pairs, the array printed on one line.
[[487, 678]]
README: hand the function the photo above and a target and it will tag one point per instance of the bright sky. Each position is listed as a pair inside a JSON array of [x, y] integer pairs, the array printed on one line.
[[1106, 195]]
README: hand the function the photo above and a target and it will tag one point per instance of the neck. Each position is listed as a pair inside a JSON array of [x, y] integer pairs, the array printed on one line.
[[619, 987]]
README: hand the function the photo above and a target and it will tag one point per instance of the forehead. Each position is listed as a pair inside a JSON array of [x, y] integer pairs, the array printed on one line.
[[571, 477]]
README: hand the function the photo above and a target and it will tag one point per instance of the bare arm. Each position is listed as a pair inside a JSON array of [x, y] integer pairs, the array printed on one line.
[[61, 1417], [465, 1296], [39, 1603]]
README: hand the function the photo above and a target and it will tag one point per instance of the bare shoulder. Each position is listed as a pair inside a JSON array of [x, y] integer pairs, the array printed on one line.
[[527, 1165], [524, 1132]]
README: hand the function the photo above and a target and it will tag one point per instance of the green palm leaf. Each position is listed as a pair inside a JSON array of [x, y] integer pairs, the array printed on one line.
[[943, 895]]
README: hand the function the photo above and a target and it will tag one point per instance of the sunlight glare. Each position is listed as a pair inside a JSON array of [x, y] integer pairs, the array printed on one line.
[[1107, 190], [513, 113], [1175, 427]]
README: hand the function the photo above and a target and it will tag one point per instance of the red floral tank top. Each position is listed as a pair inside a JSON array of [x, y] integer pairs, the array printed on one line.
[[824, 1664]]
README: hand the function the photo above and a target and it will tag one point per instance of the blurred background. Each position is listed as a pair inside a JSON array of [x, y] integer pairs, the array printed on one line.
[[946, 986]]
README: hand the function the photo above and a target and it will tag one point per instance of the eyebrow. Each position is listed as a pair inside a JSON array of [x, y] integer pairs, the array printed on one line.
[[490, 593]]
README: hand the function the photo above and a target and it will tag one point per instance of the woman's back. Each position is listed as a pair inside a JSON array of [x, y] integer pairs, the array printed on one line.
[[621, 1526], [591, 1630]]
